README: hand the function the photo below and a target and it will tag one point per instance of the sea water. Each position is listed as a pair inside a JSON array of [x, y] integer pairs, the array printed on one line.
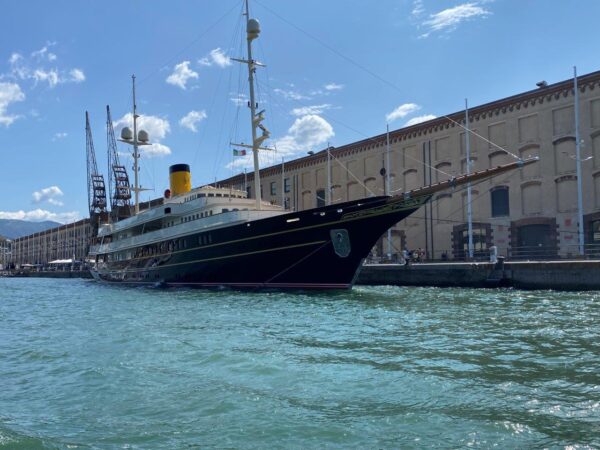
[[86, 365]]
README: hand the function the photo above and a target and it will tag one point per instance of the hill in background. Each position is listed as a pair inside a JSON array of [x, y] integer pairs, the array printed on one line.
[[12, 229]]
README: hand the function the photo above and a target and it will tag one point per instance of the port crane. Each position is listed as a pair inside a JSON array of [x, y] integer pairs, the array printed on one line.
[[119, 188], [95, 182]]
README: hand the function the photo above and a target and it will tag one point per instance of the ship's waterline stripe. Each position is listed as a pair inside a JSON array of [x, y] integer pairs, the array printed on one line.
[[143, 269], [417, 204]]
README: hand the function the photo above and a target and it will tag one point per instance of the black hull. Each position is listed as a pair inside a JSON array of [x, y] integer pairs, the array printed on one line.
[[321, 248]]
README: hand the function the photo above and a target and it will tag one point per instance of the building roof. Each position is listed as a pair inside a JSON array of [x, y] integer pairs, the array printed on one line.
[[518, 101]]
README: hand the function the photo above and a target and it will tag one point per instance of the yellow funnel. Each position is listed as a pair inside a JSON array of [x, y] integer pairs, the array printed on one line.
[[180, 179]]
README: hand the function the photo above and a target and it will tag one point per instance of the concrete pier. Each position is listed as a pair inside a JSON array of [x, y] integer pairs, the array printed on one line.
[[558, 275]]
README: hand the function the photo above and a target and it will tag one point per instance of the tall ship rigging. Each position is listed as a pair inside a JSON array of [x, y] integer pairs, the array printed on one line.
[[217, 236]]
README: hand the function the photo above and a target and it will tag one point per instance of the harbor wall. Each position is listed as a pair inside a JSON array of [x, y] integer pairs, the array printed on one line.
[[558, 275]]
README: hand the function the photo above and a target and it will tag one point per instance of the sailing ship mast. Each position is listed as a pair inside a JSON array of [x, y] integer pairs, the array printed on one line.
[[252, 32]]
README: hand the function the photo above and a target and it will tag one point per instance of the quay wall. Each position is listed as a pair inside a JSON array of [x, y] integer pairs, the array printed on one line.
[[558, 275]]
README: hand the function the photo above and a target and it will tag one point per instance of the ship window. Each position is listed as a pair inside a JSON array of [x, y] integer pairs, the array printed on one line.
[[224, 210], [211, 213], [209, 238], [211, 195], [219, 195], [201, 195], [167, 210], [235, 209]]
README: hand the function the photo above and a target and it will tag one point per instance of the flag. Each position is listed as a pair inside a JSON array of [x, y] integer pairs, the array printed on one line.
[[239, 152]]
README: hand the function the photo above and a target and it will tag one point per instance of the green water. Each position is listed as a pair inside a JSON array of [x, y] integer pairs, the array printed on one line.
[[84, 365]]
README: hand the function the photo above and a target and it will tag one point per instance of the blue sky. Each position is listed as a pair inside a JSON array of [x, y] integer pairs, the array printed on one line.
[[336, 72]]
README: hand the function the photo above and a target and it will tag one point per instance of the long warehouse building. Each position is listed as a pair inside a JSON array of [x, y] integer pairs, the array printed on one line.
[[527, 214]]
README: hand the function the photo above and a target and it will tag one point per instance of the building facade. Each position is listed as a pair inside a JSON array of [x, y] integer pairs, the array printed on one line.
[[70, 241], [5, 252], [529, 213]]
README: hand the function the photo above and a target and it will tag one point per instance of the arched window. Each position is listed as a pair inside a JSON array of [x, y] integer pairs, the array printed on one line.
[[500, 204]]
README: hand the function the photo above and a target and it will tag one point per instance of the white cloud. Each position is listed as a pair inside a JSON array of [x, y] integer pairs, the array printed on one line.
[[43, 53], [9, 93], [157, 129], [156, 150], [402, 111], [305, 134], [77, 75], [293, 95], [215, 57], [190, 120], [333, 87], [14, 58], [33, 69], [181, 75], [48, 194], [39, 215], [449, 19], [50, 76], [59, 136], [420, 119], [239, 99], [313, 109], [418, 8]]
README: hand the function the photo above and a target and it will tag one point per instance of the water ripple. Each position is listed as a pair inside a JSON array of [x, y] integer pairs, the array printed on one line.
[[84, 365]]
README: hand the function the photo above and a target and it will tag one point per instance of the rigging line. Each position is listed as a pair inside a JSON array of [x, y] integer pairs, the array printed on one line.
[[328, 47], [280, 106], [234, 37], [297, 262], [270, 118], [481, 137], [369, 139], [462, 189], [193, 42], [238, 102], [351, 174], [383, 80]]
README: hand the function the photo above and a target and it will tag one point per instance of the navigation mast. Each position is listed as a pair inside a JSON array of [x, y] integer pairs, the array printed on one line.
[[135, 139], [252, 32]]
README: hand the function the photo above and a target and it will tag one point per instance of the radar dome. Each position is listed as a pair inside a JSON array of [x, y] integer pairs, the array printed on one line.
[[126, 134], [143, 136], [253, 28]]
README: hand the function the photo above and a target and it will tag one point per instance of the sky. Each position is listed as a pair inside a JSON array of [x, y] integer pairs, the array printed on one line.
[[335, 72]]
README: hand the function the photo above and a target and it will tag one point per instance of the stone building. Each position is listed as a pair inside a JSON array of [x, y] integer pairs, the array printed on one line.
[[64, 242], [5, 252], [527, 214]]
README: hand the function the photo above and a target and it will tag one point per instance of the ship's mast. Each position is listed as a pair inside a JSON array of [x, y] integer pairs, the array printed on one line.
[[135, 139], [252, 32], [136, 154]]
